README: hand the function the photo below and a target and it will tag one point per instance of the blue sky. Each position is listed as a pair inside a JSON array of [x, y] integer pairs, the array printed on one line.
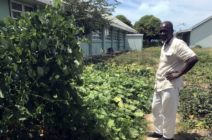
[[183, 13]]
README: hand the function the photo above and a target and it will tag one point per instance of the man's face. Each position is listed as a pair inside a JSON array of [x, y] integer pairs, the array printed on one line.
[[165, 32]]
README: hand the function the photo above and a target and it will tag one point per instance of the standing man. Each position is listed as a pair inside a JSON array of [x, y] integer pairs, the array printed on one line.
[[176, 59]]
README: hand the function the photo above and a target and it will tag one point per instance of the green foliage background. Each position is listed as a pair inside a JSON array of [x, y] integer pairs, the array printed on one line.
[[149, 26]]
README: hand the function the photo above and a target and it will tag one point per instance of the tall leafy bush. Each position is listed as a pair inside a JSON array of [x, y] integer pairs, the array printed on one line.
[[40, 62]]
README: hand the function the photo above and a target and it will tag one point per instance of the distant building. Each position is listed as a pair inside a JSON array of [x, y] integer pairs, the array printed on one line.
[[117, 37], [198, 35], [113, 37]]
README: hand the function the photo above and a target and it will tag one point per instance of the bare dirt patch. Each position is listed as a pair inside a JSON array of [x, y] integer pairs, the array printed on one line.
[[190, 135]]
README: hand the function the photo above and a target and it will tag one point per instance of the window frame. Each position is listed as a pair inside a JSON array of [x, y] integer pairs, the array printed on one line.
[[23, 5], [97, 35]]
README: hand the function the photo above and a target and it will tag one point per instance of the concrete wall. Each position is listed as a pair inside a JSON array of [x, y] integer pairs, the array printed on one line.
[[134, 42], [4, 9], [202, 35]]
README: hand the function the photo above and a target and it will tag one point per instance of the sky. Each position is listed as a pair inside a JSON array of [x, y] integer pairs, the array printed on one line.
[[182, 13]]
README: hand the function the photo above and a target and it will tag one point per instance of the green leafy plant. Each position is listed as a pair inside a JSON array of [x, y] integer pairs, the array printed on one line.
[[195, 99], [40, 65], [118, 97]]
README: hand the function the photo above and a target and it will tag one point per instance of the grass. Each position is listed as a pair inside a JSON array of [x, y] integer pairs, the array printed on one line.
[[148, 57]]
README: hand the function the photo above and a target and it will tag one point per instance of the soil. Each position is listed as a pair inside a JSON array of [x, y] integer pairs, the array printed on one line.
[[190, 135]]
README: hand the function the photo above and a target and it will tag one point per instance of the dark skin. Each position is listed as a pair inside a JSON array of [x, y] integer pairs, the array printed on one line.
[[166, 33]]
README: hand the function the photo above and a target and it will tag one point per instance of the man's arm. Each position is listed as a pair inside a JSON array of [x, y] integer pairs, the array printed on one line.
[[188, 65]]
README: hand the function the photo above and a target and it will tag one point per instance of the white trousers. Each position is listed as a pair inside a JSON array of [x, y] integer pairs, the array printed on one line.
[[164, 109]]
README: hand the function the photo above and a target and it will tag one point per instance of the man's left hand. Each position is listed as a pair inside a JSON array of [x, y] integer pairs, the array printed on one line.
[[172, 75]]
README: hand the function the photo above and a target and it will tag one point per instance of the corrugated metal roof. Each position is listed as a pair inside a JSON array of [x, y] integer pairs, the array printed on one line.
[[184, 31], [196, 25], [45, 1], [119, 24]]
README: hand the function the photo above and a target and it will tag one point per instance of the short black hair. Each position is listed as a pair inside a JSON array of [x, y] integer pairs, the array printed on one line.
[[169, 25]]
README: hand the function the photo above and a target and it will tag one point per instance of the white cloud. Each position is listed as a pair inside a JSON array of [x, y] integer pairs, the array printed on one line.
[[156, 8]]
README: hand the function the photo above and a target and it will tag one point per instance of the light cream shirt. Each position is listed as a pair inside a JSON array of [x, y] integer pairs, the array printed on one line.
[[172, 58]]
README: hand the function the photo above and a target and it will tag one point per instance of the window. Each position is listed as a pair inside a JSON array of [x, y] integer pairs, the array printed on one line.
[[28, 8], [17, 8], [121, 36], [109, 34], [115, 34], [97, 35]]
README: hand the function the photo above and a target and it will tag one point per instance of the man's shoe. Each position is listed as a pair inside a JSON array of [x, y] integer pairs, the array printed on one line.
[[154, 135], [165, 139]]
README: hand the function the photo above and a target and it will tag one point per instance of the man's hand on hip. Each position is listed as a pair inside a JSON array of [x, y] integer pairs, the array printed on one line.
[[172, 75]]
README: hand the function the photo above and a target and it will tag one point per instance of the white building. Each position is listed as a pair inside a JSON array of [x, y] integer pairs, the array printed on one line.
[[198, 35]]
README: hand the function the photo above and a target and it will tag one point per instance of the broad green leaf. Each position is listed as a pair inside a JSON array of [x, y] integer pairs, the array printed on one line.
[[55, 96], [42, 44], [57, 76], [139, 113], [1, 94], [120, 104], [134, 133], [110, 123], [69, 50], [40, 71], [117, 99], [22, 119]]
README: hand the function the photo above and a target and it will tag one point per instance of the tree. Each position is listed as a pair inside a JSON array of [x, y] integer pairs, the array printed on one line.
[[89, 14], [124, 19], [148, 25]]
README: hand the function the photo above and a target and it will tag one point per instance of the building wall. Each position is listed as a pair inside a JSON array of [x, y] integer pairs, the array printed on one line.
[[122, 36], [4, 9], [202, 35], [85, 49], [134, 42], [113, 38]]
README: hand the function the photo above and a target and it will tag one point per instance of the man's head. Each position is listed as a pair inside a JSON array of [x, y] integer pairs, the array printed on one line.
[[166, 30]]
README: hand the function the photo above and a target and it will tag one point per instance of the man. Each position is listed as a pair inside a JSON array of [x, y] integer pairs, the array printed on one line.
[[176, 59]]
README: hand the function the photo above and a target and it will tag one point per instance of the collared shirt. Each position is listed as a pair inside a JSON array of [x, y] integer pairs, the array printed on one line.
[[172, 58]]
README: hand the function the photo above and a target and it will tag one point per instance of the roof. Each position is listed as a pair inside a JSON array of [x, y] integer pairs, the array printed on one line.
[[45, 1], [114, 21], [119, 24], [196, 25], [141, 35], [200, 23], [184, 31]]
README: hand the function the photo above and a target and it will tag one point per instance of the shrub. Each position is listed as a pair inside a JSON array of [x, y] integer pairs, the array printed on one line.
[[40, 64]]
